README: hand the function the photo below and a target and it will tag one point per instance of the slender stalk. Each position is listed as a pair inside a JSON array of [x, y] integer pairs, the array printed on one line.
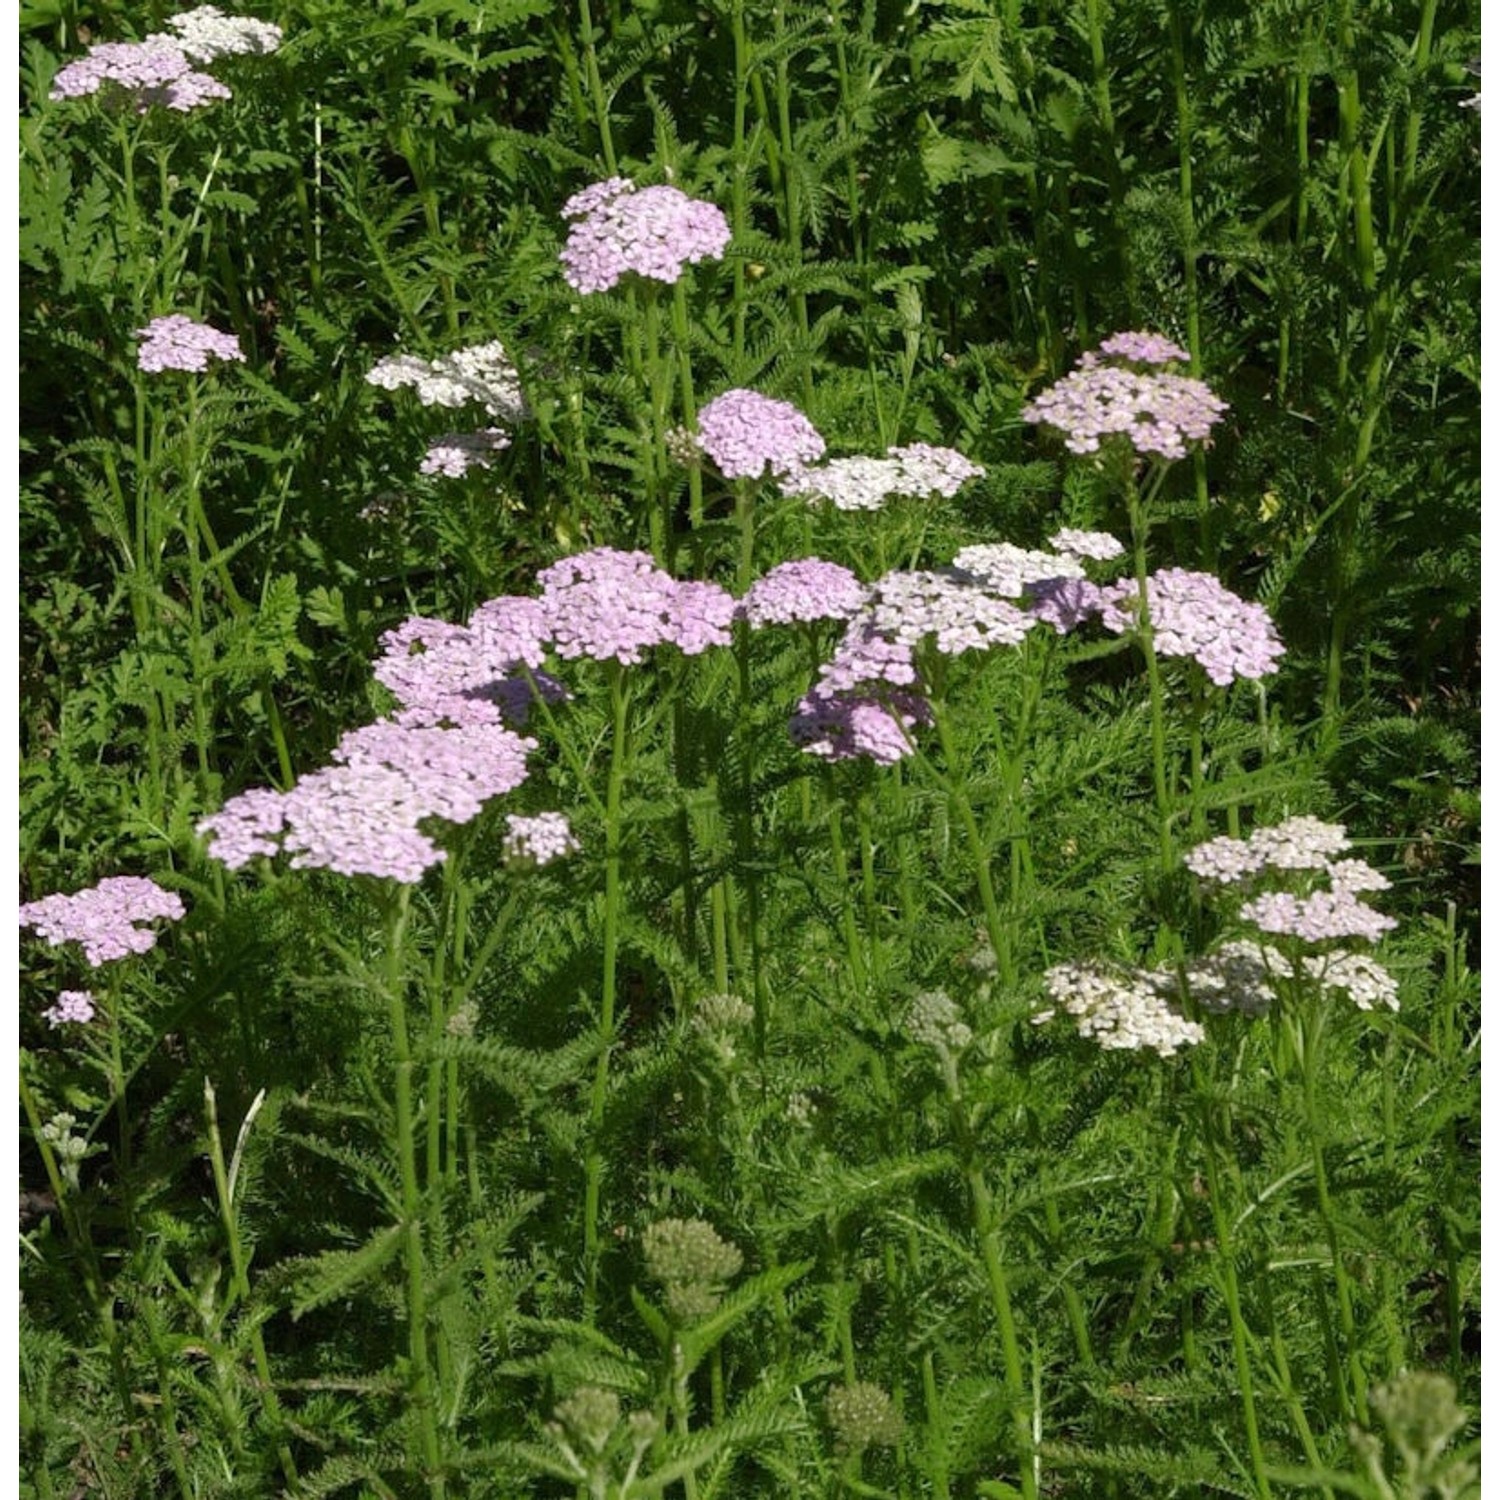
[[619, 696], [740, 169], [596, 88], [1138, 531], [398, 910]]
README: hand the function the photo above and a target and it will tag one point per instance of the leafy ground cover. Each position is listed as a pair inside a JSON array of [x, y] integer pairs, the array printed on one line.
[[749, 749]]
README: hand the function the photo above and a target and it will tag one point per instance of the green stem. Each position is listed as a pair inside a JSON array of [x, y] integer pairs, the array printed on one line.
[[1138, 530], [619, 694], [596, 88], [398, 910]]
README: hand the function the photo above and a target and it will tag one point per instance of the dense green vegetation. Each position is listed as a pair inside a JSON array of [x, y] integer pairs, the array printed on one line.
[[739, 1151]]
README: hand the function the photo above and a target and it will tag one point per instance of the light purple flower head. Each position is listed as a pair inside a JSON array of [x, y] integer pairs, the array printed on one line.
[[105, 918], [155, 71], [1159, 412], [745, 434], [1316, 918], [76, 1006], [531, 842], [1194, 615], [1144, 349], [851, 726], [360, 815], [801, 591], [175, 342], [949, 607], [653, 231], [606, 604], [455, 453]]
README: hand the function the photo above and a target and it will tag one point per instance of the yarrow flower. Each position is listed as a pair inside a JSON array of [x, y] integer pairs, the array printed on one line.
[[537, 840], [1316, 918], [175, 342], [1159, 412], [1098, 545], [360, 815], [154, 71], [207, 33], [607, 604], [73, 1006], [483, 374], [1009, 570], [1120, 1008], [105, 918], [1300, 843], [745, 433], [802, 591], [851, 726], [948, 607], [1193, 614], [619, 228], [862, 483], [1064, 603], [863, 1416], [455, 453]]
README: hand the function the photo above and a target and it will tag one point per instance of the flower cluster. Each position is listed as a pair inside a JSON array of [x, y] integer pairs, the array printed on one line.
[[801, 591], [863, 1416], [455, 453], [935, 1021], [360, 816], [957, 613], [692, 1263], [483, 374], [105, 918], [1157, 411], [207, 33], [72, 1006], [532, 842], [862, 483], [1301, 853], [1098, 545], [1193, 614], [848, 726], [175, 342], [745, 433], [159, 70], [619, 228], [607, 604], [1009, 571], [1120, 1008]]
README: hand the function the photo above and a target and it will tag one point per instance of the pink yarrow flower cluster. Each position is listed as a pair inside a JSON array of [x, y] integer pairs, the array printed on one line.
[[619, 229], [72, 1007], [531, 842], [106, 918], [605, 604], [159, 70], [175, 342], [1194, 615], [360, 816], [862, 483], [1157, 411], [802, 591], [746, 434], [455, 453]]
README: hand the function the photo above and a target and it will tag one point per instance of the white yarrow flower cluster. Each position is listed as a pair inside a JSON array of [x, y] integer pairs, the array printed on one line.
[[484, 374], [866, 483], [1120, 1009], [1006, 569], [949, 606], [207, 33]]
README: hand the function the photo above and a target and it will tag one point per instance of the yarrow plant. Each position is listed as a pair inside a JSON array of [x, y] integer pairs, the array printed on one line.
[[538, 840], [176, 342], [455, 453], [1157, 411], [860, 483], [746, 434], [619, 229], [483, 374], [106, 919], [73, 1007]]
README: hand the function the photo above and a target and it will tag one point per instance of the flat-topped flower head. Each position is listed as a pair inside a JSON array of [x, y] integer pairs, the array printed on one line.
[[175, 342], [207, 33], [537, 840], [1121, 1009], [854, 726], [73, 1007], [1064, 603], [861, 483], [106, 918], [360, 815], [619, 229], [1316, 918], [802, 591], [1194, 615], [1157, 411], [154, 71], [1097, 545], [455, 453], [1144, 349], [948, 607], [1009, 570], [747, 434], [483, 374]]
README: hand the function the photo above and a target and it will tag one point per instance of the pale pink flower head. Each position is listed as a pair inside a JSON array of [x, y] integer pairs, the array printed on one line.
[[853, 726], [537, 840], [175, 342], [802, 591], [619, 230], [72, 1007], [106, 918], [747, 434], [1097, 545], [862, 483], [455, 453], [1158, 412]]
